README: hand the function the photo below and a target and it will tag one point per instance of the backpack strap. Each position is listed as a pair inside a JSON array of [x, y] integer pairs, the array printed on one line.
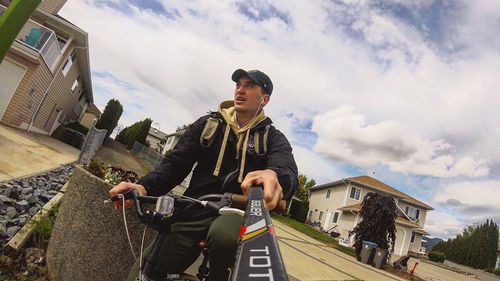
[[208, 135], [260, 140]]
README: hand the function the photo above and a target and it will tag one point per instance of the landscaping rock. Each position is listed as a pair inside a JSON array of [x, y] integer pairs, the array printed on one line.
[[22, 198], [11, 231], [11, 213], [22, 206]]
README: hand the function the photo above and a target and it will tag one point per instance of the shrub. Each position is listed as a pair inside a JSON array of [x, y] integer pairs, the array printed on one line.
[[437, 256], [109, 118], [378, 225]]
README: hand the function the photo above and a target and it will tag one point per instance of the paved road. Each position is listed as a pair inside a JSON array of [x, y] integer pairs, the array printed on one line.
[[24, 154], [309, 259], [431, 272]]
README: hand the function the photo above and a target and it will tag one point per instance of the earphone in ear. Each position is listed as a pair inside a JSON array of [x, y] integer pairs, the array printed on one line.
[[262, 101]]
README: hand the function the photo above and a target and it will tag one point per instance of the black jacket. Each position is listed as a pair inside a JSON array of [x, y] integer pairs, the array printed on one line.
[[177, 165]]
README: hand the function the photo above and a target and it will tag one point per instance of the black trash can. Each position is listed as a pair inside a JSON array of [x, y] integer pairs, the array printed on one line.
[[368, 251], [380, 257]]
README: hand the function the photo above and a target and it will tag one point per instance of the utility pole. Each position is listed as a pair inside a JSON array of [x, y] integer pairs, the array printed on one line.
[[12, 20]]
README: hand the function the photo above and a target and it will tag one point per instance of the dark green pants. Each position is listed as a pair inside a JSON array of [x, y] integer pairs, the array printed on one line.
[[180, 248]]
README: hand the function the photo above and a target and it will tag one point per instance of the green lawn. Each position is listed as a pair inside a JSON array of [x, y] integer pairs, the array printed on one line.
[[313, 233]]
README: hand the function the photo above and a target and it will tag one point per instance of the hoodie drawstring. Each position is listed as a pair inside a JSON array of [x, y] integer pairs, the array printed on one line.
[[221, 152], [243, 157]]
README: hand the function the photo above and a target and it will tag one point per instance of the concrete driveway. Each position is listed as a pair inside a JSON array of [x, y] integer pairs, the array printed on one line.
[[308, 259], [24, 154]]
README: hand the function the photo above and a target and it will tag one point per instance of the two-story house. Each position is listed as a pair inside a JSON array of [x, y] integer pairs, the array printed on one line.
[[45, 75], [336, 206]]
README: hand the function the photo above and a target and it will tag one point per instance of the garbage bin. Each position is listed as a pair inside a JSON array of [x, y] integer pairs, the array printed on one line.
[[380, 257], [368, 251]]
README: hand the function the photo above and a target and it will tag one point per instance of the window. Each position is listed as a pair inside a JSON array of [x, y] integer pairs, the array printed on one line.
[[75, 84], [68, 63], [61, 41], [412, 213], [328, 193], [355, 193], [315, 210], [320, 215], [412, 237], [335, 217]]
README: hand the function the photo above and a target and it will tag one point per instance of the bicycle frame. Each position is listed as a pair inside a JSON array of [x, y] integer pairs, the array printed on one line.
[[258, 256]]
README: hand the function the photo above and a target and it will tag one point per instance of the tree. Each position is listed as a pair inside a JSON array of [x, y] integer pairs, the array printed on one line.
[[109, 118], [378, 212], [298, 210], [136, 132]]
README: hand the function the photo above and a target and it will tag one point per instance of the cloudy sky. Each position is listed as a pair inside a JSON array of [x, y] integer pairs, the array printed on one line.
[[404, 91]]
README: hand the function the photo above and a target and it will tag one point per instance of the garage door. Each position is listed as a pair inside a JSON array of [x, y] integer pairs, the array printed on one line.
[[400, 237], [11, 75]]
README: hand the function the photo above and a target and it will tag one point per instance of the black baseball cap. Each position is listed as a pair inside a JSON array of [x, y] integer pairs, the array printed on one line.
[[257, 76]]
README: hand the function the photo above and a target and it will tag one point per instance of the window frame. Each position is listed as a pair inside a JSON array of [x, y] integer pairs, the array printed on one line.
[[359, 195], [413, 237], [337, 214], [409, 210], [70, 60]]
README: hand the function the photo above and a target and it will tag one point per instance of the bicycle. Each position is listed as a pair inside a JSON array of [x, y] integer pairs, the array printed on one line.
[[257, 255]]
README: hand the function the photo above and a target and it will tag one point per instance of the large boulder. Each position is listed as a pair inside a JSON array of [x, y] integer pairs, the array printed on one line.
[[89, 241]]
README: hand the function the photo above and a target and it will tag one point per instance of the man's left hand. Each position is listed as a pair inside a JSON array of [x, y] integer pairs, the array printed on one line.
[[268, 179]]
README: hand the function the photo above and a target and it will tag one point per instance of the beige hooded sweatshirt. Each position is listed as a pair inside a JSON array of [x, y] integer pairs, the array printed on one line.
[[228, 112]]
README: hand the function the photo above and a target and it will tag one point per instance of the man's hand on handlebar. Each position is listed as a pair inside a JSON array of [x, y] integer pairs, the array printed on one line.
[[123, 187], [268, 179]]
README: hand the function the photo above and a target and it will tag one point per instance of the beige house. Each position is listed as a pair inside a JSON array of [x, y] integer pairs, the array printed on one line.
[[45, 75], [171, 141], [156, 139], [336, 206], [91, 113]]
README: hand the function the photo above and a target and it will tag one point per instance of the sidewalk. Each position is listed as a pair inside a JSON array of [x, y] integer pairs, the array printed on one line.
[[24, 153]]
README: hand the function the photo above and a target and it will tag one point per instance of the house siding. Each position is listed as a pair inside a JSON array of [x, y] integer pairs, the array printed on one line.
[[38, 77], [87, 119], [51, 6], [24, 101], [415, 246], [60, 96]]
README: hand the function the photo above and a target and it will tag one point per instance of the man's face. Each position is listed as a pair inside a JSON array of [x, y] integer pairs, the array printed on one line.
[[248, 96]]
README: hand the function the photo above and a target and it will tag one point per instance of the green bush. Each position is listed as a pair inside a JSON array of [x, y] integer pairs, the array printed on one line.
[[299, 210], [437, 256]]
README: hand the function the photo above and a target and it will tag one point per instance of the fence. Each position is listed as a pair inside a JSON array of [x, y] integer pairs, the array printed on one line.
[[148, 156], [92, 143]]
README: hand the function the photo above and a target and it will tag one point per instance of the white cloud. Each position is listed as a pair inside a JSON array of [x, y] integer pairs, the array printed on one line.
[[443, 225], [415, 108], [344, 135], [475, 200]]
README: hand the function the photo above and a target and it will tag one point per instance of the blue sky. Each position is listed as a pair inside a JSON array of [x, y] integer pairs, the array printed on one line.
[[405, 91]]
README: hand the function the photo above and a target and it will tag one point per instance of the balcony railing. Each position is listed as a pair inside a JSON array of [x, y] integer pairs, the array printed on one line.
[[41, 39]]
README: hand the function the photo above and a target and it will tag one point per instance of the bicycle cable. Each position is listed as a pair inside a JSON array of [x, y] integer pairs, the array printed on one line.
[[142, 248], [126, 226]]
